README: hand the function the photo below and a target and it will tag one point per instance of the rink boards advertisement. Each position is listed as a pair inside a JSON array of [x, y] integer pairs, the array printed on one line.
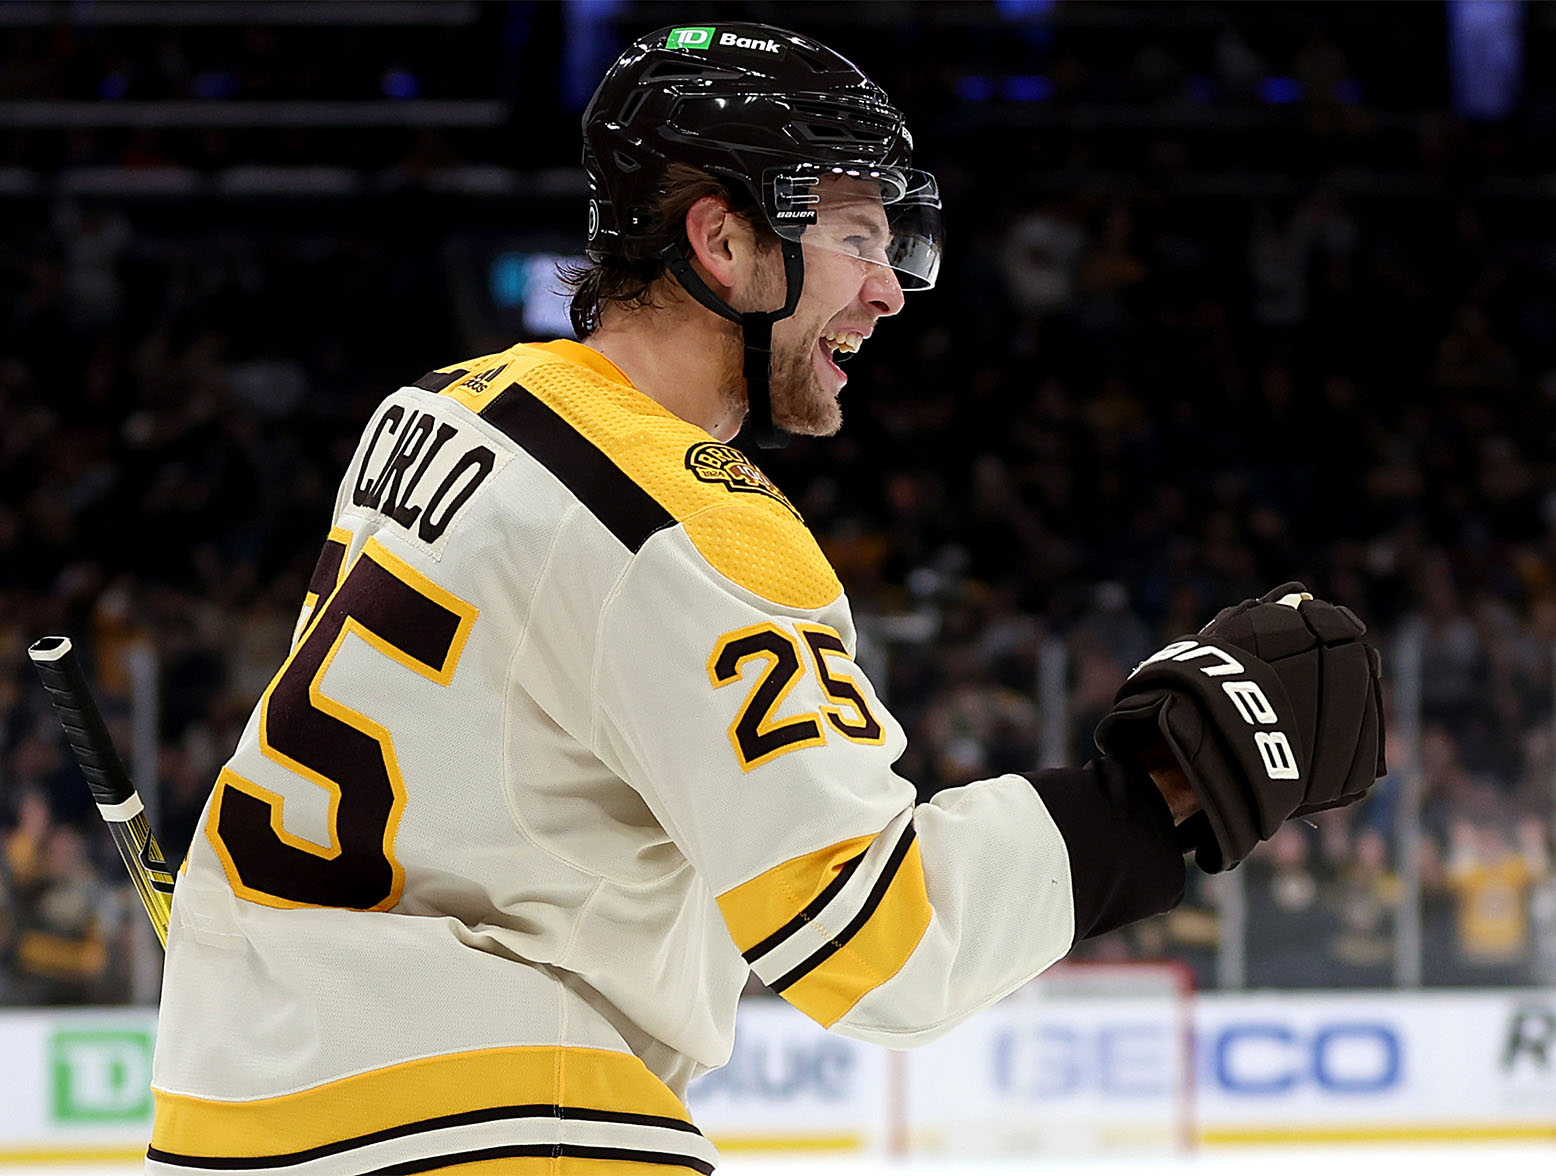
[[76, 1083], [1076, 1074], [1063, 1073]]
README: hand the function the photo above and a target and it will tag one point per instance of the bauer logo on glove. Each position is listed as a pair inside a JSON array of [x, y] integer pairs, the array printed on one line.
[[1273, 710], [1274, 747]]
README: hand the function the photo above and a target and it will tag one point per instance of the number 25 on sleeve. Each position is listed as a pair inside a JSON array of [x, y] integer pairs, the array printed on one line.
[[758, 734]]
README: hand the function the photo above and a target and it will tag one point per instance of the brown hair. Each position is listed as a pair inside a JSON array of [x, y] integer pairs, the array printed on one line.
[[630, 277]]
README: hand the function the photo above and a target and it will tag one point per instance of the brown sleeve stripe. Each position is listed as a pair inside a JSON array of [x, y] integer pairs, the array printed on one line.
[[759, 907], [812, 909], [872, 948]]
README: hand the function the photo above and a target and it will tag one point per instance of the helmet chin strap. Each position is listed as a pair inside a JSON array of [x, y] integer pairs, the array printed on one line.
[[756, 330]]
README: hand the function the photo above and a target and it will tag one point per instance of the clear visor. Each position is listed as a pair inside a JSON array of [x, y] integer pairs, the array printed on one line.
[[886, 215]]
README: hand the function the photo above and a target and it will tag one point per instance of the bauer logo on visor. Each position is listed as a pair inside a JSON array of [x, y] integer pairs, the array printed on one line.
[[881, 214]]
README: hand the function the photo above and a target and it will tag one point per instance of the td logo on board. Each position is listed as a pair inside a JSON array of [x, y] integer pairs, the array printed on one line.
[[100, 1075]]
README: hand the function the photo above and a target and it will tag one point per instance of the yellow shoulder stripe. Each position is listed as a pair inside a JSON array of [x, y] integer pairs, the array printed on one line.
[[758, 542]]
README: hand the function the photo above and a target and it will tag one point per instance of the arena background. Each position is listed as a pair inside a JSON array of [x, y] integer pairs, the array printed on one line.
[[1233, 294]]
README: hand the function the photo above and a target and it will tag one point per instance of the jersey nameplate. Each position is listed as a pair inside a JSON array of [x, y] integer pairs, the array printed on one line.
[[712, 461], [421, 470]]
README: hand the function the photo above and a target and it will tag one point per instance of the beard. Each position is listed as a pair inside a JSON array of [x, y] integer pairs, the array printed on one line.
[[800, 405]]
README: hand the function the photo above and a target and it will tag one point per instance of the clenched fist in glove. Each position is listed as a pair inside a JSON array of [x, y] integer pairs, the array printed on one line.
[[1274, 710]]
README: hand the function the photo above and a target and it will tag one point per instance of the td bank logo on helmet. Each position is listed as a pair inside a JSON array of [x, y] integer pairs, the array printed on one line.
[[706, 36]]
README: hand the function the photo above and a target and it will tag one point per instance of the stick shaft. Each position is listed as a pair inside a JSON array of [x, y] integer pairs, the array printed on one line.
[[117, 801], [148, 869]]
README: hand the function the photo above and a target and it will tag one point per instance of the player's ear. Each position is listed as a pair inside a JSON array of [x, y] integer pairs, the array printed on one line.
[[718, 239]]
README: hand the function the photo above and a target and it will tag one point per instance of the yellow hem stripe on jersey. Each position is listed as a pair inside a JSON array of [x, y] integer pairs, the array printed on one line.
[[410, 1092]]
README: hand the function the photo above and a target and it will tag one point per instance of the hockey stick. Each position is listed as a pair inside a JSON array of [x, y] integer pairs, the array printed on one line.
[[116, 797]]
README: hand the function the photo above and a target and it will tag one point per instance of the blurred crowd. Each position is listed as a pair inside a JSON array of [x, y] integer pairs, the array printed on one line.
[[1173, 362]]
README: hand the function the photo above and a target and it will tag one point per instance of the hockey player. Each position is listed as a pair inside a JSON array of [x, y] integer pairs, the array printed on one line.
[[571, 738]]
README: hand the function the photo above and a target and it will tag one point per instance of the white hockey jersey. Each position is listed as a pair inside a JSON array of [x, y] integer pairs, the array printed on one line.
[[570, 739]]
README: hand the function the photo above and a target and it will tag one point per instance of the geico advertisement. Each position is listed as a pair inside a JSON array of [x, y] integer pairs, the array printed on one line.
[[1042, 1073], [1448, 1061]]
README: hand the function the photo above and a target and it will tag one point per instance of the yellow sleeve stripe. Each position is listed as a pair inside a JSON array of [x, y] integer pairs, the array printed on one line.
[[856, 957], [458, 1084], [872, 948], [772, 906]]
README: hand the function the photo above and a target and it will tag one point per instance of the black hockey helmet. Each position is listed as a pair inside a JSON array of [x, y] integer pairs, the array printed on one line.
[[773, 114]]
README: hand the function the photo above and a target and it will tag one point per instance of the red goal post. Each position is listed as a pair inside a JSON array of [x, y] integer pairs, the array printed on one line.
[[1087, 1058]]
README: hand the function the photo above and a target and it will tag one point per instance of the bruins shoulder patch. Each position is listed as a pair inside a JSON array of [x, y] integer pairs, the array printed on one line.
[[713, 461]]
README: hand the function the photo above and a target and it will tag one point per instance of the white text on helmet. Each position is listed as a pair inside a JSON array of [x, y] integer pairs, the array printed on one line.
[[749, 43]]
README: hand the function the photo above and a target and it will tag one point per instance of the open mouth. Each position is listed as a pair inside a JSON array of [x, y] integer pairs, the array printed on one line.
[[836, 346], [844, 342], [824, 351]]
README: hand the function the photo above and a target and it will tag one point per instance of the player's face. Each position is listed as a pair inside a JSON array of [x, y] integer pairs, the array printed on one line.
[[848, 287]]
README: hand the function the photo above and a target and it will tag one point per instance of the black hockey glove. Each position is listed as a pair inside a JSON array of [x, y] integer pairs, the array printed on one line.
[[1274, 710]]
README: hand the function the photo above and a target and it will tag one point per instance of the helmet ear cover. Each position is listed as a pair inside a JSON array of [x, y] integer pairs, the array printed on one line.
[[661, 200]]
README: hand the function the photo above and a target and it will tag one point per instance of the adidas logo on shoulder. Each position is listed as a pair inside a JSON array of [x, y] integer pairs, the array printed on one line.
[[482, 380]]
